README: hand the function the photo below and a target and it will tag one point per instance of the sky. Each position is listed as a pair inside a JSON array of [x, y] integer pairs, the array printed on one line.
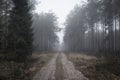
[[61, 8]]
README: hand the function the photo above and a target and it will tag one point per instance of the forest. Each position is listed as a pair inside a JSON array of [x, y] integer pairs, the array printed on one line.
[[30, 47], [94, 28]]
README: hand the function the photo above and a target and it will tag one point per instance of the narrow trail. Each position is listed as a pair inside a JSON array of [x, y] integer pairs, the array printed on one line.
[[47, 72], [59, 68]]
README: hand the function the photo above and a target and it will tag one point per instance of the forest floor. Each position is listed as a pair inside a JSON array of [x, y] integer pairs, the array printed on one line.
[[95, 68], [59, 68], [10, 70]]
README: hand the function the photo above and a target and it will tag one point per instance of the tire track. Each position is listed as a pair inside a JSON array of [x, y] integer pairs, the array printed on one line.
[[59, 68], [47, 72]]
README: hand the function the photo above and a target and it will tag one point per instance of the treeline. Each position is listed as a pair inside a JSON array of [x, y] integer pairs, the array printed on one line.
[[16, 34], [45, 26], [94, 27], [22, 31], [16, 39]]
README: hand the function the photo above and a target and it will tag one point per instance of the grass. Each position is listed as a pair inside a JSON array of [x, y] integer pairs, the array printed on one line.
[[95, 68], [10, 70]]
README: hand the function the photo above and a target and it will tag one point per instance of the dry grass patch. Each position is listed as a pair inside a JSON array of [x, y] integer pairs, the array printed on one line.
[[10, 70], [92, 67]]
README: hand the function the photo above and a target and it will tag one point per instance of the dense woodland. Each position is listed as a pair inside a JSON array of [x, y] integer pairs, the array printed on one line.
[[22, 31], [45, 26], [94, 27], [16, 32]]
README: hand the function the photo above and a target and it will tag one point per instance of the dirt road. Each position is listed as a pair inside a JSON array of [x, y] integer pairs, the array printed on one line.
[[59, 68]]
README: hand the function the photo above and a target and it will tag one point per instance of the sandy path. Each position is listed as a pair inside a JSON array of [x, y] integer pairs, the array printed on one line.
[[69, 70], [59, 68], [47, 72]]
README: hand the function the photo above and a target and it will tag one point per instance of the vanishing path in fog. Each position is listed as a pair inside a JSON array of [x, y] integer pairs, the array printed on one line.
[[59, 68]]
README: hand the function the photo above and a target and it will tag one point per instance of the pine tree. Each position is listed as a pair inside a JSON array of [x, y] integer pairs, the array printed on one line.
[[1, 25], [20, 31]]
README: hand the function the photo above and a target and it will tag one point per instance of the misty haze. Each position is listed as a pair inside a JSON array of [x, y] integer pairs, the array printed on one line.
[[59, 39]]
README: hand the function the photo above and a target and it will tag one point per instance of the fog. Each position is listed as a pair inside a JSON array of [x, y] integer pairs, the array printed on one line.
[[61, 8]]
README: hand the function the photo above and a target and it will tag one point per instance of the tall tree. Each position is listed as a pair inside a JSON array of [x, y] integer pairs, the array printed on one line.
[[44, 31], [1, 22], [102, 20], [5, 7], [20, 32]]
